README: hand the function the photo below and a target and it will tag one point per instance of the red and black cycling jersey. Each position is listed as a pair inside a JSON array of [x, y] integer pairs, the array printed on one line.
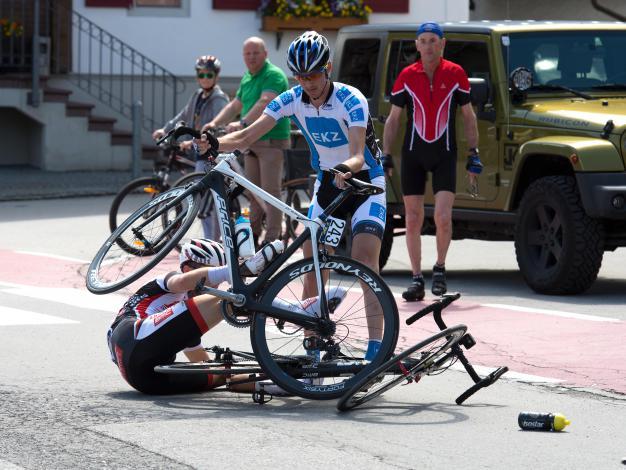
[[151, 298], [431, 107]]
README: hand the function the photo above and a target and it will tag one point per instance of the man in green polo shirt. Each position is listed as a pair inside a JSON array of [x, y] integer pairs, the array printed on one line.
[[264, 160]]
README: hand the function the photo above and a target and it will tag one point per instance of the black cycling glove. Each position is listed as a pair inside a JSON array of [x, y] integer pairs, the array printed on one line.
[[214, 143], [474, 165], [387, 161]]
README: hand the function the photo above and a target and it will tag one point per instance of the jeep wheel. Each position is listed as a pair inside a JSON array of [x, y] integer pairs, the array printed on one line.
[[558, 247]]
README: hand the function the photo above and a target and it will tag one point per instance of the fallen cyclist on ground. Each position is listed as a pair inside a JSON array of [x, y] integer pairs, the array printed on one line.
[[167, 315]]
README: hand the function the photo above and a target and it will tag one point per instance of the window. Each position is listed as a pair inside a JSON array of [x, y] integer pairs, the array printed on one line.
[[402, 53], [472, 56], [359, 60], [579, 60], [158, 3]]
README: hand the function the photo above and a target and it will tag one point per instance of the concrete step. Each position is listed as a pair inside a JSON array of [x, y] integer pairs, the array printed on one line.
[[74, 108], [101, 123], [56, 95], [119, 137]]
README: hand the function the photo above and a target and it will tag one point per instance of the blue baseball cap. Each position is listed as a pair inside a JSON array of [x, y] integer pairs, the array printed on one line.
[[430, 27]]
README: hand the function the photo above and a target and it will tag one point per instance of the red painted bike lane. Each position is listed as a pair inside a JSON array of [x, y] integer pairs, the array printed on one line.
[[580, 352]]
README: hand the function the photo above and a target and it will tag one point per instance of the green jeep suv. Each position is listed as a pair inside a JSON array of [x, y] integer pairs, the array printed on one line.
[[550, 99]]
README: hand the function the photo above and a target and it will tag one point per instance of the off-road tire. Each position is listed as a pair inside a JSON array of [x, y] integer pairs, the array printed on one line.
[[558, 246]]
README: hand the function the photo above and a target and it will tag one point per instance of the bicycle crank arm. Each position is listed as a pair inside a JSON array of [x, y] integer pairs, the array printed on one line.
[[238, 300]]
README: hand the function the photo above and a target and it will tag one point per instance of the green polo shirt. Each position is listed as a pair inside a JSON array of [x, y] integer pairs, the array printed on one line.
[[269, 78]]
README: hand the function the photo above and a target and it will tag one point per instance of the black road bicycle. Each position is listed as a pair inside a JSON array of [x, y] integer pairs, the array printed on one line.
[[431, 356], [283, 332]]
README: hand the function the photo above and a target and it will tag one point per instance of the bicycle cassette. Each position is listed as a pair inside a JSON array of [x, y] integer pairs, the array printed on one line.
[[235, 316]]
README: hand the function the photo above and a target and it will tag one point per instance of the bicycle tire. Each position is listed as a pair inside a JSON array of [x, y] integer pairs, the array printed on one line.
[[113, 268], [212, 368], [374, 384], [350, 335], [150, 184]]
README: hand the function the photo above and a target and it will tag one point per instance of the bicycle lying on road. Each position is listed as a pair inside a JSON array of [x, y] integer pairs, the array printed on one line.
[[354, 303], [431, 356]]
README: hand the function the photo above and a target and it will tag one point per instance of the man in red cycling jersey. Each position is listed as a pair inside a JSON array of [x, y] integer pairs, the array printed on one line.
[[430, 89]]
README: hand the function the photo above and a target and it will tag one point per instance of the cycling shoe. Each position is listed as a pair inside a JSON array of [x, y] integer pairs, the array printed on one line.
[[439, 286], [415, 291]]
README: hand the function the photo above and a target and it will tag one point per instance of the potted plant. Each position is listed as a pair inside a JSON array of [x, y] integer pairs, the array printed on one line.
[[279, 15]]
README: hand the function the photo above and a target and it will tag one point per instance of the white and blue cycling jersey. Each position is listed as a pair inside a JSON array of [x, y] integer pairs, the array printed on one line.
[[326, 131], [326, 128]]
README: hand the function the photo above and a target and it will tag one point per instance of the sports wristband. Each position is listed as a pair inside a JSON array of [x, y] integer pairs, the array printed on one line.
[[387, 161]]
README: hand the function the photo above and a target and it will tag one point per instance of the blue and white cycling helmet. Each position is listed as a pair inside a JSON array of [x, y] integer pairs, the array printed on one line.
[[308, 53], [202, 251]]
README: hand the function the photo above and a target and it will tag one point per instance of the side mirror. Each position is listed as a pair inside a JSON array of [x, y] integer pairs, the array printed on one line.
[[479, 96], [479, 93]]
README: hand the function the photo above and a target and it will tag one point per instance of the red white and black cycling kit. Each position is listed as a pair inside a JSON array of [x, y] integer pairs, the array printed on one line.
[[152, 326], [430, 139]]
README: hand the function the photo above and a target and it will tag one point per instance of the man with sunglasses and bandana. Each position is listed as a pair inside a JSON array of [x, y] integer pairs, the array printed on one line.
[[206, 102], [334, 118]]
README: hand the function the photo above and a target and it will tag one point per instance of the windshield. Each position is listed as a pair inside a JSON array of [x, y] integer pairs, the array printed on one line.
[[580, 60]]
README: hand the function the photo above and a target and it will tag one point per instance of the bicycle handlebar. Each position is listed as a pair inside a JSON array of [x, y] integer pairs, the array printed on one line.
[[440, 304], [360, 187]]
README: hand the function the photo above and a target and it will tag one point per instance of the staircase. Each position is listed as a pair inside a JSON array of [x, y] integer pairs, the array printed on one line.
[[73, 138], [84, 117]]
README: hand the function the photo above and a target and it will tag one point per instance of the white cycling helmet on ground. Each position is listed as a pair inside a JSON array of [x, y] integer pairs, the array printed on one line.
[[202, 251], [308, 53]]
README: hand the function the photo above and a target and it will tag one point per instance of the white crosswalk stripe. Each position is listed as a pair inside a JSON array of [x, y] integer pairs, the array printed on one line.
[[13, 317]]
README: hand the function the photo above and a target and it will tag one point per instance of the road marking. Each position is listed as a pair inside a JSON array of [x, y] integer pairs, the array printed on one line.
[[13, 316], [68, 296], [48, 255], [483, 371], [555, 313]]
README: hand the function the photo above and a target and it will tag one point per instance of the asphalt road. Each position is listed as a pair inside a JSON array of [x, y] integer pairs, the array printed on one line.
[[64, 405]]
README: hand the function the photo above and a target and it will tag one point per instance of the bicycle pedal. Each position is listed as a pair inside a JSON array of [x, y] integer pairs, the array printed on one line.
[[467, 341], [261, 397]]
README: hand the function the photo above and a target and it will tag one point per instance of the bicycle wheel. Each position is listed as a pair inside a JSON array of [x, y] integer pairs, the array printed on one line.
[[298, 197], [212, 368], [113, 268], [361, 307], [426, 357], [132, 196]]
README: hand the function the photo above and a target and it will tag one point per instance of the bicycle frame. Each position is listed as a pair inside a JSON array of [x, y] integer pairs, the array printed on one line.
[[242, 294], [215, 182]]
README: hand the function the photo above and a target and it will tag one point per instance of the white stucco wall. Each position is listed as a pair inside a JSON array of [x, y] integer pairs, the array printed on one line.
[[175, 41]]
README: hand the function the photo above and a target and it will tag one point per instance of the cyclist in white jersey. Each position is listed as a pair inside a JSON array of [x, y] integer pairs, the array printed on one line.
[[335, 121]]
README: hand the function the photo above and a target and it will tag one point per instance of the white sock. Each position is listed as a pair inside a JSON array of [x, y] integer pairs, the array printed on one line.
[[217, 275]]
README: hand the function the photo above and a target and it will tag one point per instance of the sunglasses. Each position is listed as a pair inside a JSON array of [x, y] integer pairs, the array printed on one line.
[[206, 75], [308, 77]]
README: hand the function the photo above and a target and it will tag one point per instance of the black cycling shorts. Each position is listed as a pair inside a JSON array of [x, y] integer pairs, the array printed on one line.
[[137, 350], [415, 169]]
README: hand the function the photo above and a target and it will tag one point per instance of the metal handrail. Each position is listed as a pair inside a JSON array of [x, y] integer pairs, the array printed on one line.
[[116, 73]]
